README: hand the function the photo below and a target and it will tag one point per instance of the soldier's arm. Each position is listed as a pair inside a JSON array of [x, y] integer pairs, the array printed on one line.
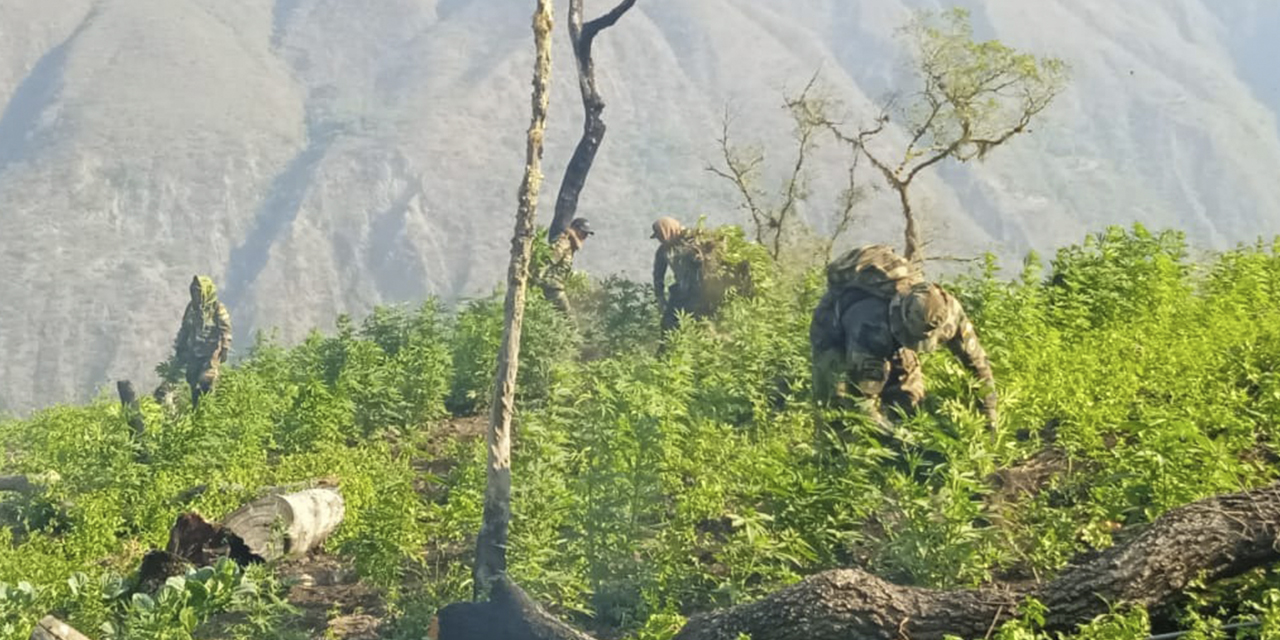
[[660, 276], [224, 332], [968, 349]]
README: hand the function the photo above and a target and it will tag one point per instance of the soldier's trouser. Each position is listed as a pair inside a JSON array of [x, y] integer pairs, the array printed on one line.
[[556, 296], [835, 388], [858, 380], [202, 380], [677, 300], [904, 387]]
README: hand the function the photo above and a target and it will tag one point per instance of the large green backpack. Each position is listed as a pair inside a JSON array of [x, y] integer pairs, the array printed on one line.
[[703, 273], [875, 269]]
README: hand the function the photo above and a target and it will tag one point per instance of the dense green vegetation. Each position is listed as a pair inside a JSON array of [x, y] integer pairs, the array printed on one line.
[[647, 487]]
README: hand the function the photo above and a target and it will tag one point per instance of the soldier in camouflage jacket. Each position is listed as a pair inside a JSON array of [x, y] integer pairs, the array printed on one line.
[[203, 342], [555, 274], [677, 252], [870, 343]]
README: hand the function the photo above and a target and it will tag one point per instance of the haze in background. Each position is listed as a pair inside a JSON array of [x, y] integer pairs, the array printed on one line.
[[323, 156]]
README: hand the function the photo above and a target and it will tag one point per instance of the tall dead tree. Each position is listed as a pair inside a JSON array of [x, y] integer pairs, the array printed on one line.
[[582, 36], [491, 544], [779, 220]]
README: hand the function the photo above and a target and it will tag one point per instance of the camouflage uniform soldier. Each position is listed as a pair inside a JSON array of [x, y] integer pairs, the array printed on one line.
[[204, 341], [556, 273], [673, 249], [703, 275], [866, 332]]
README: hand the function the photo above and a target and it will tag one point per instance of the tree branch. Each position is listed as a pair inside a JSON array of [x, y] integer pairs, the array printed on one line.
[[593, 127], [604, 22], [740, 175]]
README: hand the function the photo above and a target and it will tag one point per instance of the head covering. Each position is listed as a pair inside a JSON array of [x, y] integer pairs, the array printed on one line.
[[665, 229], [919, 318], [581, 226], [202, 286]]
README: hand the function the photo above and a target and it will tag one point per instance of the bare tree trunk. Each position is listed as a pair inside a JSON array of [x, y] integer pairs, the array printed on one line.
[[1212, 539], [914, 246], [593, 105], [129, 402], [575, 174], [491, 544], [1222, 537]]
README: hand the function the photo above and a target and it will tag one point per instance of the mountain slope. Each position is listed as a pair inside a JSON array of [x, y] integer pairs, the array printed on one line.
[[323, 156]]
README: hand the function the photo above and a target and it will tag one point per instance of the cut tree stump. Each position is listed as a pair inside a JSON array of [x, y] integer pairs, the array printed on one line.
[[51, 628], [510, 614], [1213, 539], [19, 484], [132, 410], [269, 528], [27, 484], [287, 525]]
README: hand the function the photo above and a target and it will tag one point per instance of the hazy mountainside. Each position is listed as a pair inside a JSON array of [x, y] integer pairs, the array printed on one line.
[[321, 156]]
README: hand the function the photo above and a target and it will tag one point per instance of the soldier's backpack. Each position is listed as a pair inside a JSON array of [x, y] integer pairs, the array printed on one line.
[[703, 274], [874, 269]]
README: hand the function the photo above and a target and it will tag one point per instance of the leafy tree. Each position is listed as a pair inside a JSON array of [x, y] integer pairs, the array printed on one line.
[[972, 97]]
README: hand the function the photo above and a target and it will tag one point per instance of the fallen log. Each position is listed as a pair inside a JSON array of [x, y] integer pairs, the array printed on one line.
[[269, 528], [51, 628], [193, 541], [1215, 538], [286, 525]]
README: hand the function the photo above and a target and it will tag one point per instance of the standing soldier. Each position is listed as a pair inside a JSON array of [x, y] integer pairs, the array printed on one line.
[[878, 313], [555, 274], [203, 342], [702, 275], [673, 249]]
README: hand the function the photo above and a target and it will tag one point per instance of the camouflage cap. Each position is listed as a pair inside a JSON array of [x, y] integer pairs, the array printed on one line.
[[582, 226], [666, 228], [919, 319]]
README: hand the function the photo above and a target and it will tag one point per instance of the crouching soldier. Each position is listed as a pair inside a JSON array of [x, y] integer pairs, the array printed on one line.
[[878, 313]]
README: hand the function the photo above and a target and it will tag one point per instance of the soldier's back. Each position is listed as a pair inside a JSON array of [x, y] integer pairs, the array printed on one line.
[[864, 321]]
